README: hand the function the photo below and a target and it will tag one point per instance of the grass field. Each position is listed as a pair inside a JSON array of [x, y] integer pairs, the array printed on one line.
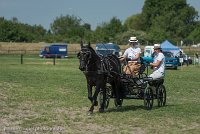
[[38, 97]]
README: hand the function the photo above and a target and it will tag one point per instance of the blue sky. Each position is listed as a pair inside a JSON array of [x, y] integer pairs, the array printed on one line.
[[93, 12]]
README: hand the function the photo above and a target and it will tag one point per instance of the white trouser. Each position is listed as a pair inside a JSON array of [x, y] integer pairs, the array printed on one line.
[[157, 75]]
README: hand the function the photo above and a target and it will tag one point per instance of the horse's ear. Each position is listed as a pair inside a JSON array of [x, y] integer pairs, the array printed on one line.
[[89, 43], [81, 43]]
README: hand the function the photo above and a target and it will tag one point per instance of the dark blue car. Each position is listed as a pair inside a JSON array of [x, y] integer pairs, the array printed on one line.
[[107, 49]]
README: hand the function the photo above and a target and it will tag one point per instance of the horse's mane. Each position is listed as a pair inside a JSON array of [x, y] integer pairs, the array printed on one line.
[[88, 47]]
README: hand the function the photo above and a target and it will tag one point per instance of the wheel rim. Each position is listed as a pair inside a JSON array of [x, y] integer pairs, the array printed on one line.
[[148, 98], [107, 99], [161, 96]]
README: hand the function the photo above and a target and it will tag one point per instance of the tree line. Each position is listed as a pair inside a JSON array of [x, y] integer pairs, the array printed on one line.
[[174, 20]]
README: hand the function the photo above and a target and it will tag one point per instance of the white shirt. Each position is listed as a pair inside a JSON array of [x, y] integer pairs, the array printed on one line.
[[161, 67], [132, 52]]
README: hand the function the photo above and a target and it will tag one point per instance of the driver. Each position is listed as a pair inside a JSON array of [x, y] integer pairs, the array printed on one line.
[[132, 55]]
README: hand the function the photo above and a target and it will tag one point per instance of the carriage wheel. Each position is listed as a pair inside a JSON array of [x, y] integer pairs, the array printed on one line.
[[161, 95], [104, 105], [148, 98]]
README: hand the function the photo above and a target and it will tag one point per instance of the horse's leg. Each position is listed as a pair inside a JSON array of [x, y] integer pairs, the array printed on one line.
[[99, 85], [118, 91], [94, 102], [103, 89], [102, 105], [89, 87], [90, 97]]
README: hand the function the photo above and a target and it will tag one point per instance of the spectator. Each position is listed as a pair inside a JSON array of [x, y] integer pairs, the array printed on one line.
[[196, 58]]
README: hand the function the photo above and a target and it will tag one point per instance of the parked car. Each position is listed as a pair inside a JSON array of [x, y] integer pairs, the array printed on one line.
[[107, 49], [186, 60], [170, 60]]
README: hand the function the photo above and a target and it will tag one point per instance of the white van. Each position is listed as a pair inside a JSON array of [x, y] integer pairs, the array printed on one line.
[[148, 51]]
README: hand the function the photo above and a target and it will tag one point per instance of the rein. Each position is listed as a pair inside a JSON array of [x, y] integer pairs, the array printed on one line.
[[100, 64]]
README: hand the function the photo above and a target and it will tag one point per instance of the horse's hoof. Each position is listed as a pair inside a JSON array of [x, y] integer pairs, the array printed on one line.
[[101, 110], [89, 113], [118, 107]]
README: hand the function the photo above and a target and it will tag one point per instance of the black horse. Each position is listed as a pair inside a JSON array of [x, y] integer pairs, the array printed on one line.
[[99, 70]]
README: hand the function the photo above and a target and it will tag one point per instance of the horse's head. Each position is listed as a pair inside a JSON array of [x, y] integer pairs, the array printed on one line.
[[85, 56]]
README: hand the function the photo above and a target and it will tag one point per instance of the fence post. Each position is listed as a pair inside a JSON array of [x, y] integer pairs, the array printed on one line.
[[21, 58], [54, 60]]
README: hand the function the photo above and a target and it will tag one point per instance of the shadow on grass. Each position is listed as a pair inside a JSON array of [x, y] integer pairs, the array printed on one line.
[[126, 108], [135, 108]]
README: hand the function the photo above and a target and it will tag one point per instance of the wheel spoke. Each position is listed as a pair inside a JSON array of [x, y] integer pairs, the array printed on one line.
[[104, 100], [161, 96], [148, 98]]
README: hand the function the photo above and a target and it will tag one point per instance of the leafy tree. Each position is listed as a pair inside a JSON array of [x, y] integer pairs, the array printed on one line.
[[69, 27], [100, 33], [12, 30], [124, 37], [108, 31], [172, 19], [114, 27], [87, 26], [134, 22], [194, 35]]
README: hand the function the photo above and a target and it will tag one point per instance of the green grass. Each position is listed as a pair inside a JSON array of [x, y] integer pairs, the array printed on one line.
[[37, 97]]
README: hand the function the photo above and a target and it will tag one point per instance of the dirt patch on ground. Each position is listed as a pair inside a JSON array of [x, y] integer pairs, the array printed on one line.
[[192, 126]]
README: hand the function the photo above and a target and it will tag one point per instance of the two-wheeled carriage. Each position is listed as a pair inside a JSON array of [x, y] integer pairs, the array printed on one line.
[[141, 87], [104, 75]]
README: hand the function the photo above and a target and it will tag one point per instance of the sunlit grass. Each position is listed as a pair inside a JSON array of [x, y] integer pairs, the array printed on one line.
[[44, 95]]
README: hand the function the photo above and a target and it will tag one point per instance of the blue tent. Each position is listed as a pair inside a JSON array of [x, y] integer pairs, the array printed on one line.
[[168, 46]]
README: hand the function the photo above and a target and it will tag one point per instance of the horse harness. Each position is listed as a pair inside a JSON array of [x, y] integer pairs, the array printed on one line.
[[105, 65]]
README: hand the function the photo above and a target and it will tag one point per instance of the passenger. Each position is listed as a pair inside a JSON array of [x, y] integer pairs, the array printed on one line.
[[158, 63], [132, 55]]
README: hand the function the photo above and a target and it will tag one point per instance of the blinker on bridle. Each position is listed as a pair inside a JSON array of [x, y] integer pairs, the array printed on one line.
[[88, 59]]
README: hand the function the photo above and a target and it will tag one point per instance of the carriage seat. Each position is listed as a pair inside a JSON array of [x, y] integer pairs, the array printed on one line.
[[159, 81], [150, 79], [156, 82]]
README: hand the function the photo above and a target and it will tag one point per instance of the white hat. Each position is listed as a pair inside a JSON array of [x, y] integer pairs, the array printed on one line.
[[133, 39], [157, 46]]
